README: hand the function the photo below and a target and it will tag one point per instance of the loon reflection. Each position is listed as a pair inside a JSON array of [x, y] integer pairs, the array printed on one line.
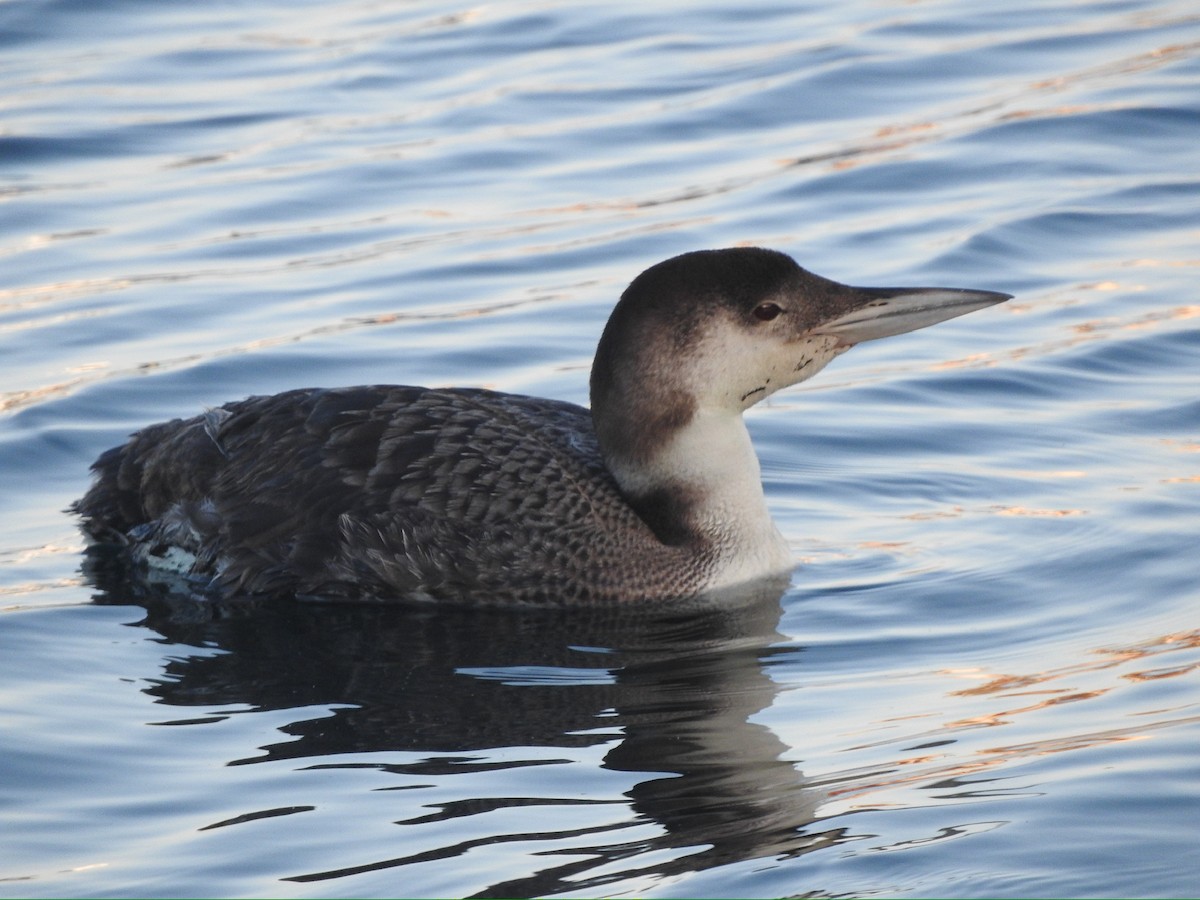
[[425, 696]]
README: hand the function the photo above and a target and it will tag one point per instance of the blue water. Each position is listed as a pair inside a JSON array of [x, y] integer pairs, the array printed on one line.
[[984, 677]]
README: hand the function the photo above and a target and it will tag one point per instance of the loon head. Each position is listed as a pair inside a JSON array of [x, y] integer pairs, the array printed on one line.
[[696, 340]]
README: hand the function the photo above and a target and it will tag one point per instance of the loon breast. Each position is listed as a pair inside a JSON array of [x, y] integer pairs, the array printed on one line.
[[394, 493]]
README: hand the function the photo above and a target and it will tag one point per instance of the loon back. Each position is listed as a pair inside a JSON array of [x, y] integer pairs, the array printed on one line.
[[384, 492]]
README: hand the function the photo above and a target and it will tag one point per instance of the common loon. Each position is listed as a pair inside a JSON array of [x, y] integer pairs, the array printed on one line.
[[462, 495]]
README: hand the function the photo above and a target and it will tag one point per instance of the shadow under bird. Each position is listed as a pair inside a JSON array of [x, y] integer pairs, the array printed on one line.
[[460, 495]]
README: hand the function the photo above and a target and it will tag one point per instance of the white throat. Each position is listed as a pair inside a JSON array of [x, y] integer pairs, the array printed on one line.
[[712, 459]]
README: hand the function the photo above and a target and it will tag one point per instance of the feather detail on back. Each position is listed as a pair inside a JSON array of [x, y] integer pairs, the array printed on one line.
[[382, 492]]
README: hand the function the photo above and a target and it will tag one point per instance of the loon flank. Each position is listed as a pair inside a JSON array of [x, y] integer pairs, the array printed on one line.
[[459, 495]]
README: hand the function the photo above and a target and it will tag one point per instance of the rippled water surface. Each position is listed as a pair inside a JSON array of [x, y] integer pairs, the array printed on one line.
[[984, 676]]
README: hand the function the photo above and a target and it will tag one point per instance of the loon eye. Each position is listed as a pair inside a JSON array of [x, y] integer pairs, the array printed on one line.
[[765, 312]]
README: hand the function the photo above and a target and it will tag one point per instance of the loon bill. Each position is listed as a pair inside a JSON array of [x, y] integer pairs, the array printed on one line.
[[460, 495]]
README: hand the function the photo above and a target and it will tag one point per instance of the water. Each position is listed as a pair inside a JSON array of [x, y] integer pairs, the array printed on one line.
[[984, 676]]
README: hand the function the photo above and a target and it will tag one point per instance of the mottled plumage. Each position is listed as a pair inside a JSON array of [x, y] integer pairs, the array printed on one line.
[[385, 492]]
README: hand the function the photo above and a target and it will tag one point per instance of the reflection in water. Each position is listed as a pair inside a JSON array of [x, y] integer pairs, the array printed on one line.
[[670, 694]]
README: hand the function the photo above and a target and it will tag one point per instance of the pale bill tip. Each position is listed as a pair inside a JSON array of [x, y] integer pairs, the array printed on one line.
[[907, 310]]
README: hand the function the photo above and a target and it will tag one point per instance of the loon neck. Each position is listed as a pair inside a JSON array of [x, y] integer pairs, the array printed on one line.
[[697, 483]]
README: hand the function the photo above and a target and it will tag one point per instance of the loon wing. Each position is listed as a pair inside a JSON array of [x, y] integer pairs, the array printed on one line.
[[378, 490]]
